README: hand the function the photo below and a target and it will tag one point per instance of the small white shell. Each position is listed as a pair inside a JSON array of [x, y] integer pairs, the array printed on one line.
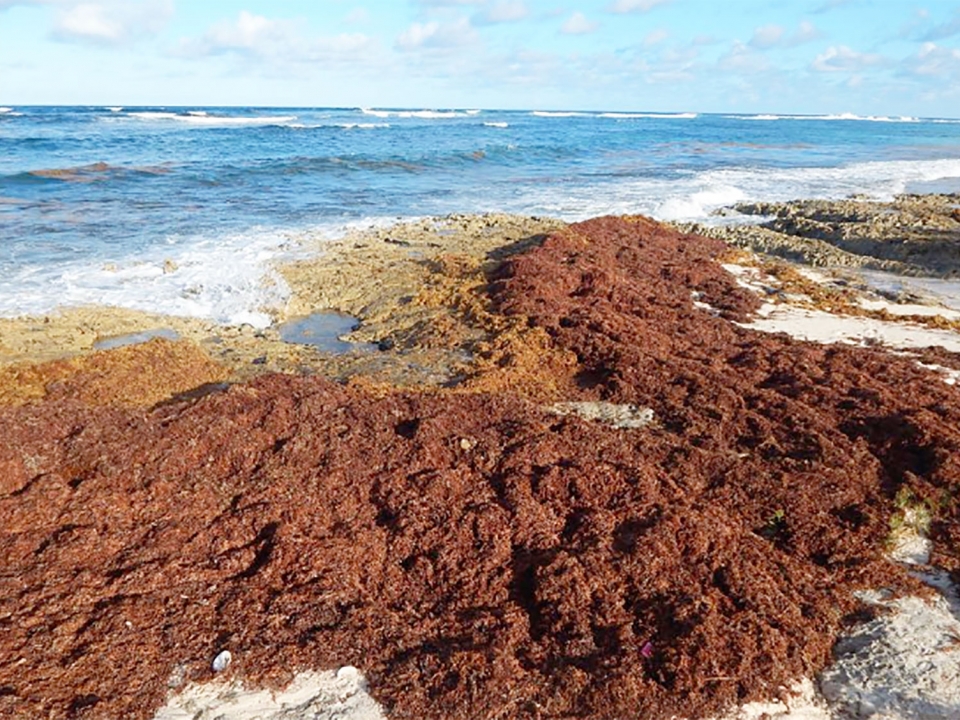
[[221, 661]]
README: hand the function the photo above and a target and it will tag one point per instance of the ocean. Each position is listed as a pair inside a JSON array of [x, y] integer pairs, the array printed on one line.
[[186, 210]]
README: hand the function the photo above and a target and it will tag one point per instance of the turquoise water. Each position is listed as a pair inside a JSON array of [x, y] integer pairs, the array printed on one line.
[[183, 210]]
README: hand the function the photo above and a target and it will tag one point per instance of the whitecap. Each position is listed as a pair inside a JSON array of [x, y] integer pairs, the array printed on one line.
[[765, 116], [435, 114], [419, 114], [696, 195], [363, 126], [863, 118], [655, 116], [496, 124], [207, 120], [837, 116], [558, 114], [152, 115]]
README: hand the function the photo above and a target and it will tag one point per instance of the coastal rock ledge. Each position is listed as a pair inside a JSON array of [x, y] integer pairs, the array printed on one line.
[[471, 552]]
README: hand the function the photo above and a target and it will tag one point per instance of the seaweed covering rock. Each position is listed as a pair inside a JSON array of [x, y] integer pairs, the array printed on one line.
[[473, 553]]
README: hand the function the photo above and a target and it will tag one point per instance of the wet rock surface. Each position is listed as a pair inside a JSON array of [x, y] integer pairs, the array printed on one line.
[[912, 235], [411, 287], [474, 554]]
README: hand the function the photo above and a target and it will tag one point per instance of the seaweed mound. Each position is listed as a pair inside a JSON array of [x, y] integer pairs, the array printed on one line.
[[475, 554]]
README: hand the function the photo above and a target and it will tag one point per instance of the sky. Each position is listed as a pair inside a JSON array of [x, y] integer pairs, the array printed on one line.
[[869, 57]]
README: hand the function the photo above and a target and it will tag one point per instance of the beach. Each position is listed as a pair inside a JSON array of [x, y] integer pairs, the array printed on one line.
[[503, 466]]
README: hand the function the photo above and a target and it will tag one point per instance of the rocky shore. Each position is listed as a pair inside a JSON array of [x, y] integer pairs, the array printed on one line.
[[912, 235], [561, 474]]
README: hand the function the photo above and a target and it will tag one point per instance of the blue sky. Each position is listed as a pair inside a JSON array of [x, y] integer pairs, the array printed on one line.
[[871, 57]]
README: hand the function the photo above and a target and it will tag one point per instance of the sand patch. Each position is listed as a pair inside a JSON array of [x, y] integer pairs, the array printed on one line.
[[331, 695]]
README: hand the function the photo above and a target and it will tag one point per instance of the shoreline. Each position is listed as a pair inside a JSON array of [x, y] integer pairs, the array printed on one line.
[[407, 288], [913, 236], [490, 323]]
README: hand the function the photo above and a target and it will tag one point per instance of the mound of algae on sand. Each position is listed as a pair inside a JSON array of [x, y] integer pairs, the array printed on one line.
[[471, 551]]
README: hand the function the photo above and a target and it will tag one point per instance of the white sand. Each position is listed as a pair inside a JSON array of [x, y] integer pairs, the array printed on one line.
[[801, 702], [340, 695], [822, 327], [910, 309]]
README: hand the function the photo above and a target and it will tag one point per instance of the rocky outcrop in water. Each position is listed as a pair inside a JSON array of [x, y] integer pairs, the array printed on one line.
[[913, 235]]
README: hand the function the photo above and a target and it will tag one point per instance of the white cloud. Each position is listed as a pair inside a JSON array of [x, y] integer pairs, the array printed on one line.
[[504, 11], [807, 32], [655, 37], [840, 58], [112, 21], [417, 35], [767, 36], [90, 22], [934, 61], [578, 24], [626, 6], [435, 35], [741, 58], [358, 15], [249, 33], [258, 36]]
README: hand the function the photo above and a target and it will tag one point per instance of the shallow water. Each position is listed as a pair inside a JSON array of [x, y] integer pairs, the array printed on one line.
[[323, 331], [944, 292], [135, 338]]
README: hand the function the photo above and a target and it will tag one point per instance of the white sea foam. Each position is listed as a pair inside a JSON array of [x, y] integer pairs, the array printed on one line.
[[716, 188], [230, 279], [227, 279], [552, 114], [342, 126], [115, 109], [4, 110], [363, 126], [839, 116], [496, 124], [205, 120], [699, 203], [655, 116], [696, 195], [419, 114]]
